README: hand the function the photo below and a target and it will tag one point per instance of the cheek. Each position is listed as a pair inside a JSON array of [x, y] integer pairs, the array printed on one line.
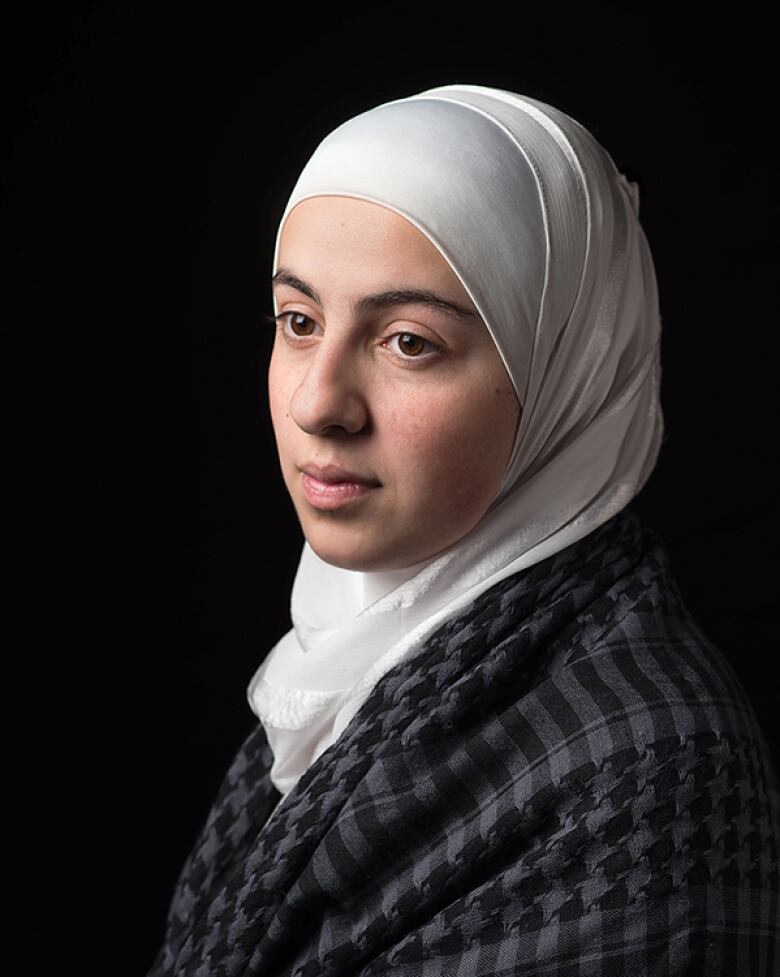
[[453, 450], [280, 390]]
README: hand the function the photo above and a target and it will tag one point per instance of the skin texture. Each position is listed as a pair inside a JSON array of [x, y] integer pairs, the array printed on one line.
[[411, 398]]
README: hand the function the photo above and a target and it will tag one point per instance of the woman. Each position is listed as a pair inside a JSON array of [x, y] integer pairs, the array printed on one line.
[[494, 741]]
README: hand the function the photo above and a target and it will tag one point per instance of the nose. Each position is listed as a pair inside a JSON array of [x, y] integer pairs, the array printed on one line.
[[329, 397]]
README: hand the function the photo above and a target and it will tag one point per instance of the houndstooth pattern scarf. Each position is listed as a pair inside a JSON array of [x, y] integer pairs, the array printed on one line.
[[566, 779]]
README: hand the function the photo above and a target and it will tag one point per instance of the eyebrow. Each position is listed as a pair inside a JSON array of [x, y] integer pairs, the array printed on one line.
[[382, 300]]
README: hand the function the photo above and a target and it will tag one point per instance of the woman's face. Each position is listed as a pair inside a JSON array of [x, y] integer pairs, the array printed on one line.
[[393, 413]]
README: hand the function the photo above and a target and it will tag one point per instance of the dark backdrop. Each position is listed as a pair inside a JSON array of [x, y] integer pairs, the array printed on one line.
[[151, 149]]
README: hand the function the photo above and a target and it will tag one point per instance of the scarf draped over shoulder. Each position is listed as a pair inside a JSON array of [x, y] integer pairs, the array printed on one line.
[[566, 778]]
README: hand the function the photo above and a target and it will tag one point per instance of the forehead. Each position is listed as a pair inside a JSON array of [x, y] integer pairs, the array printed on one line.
[[357, 242]]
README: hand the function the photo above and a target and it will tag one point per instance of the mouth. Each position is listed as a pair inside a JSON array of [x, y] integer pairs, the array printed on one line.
[[329, 487]]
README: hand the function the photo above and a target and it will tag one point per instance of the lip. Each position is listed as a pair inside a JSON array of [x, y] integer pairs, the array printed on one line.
[[330, 487]]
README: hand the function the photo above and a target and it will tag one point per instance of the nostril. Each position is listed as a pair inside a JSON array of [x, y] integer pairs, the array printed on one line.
[[318, 407]]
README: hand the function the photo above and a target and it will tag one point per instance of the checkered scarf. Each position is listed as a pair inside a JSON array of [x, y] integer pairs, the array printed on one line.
[[566, 779]]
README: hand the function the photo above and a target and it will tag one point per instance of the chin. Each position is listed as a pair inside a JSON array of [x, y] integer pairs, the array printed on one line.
[[349, 558], [359, 555]]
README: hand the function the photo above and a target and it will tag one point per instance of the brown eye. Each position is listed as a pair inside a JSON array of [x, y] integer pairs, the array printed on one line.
[[300, 324], [409, 344]]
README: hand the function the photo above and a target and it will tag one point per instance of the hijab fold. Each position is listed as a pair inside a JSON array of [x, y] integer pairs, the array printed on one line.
[[543, 232]]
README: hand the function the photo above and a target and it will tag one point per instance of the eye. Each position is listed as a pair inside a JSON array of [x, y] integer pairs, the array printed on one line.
[[295, 323], [412, 346]]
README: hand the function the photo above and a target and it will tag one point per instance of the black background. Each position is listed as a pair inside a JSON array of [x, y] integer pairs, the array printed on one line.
[[151, 148]]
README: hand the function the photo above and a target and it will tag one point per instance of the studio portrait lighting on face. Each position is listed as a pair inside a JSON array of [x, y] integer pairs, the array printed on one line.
[[389, 477], [494, 739]]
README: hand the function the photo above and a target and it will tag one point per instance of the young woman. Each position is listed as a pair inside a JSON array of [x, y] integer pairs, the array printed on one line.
[[494, 741]]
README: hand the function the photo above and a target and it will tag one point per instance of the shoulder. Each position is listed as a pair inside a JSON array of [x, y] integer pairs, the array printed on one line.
[[641, 721], [652, 793], [636, 662]]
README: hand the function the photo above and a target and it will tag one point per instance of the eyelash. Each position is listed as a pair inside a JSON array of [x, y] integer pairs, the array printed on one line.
[[434, 350]]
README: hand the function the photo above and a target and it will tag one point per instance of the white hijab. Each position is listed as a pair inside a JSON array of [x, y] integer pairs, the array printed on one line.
[[543, 232]]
